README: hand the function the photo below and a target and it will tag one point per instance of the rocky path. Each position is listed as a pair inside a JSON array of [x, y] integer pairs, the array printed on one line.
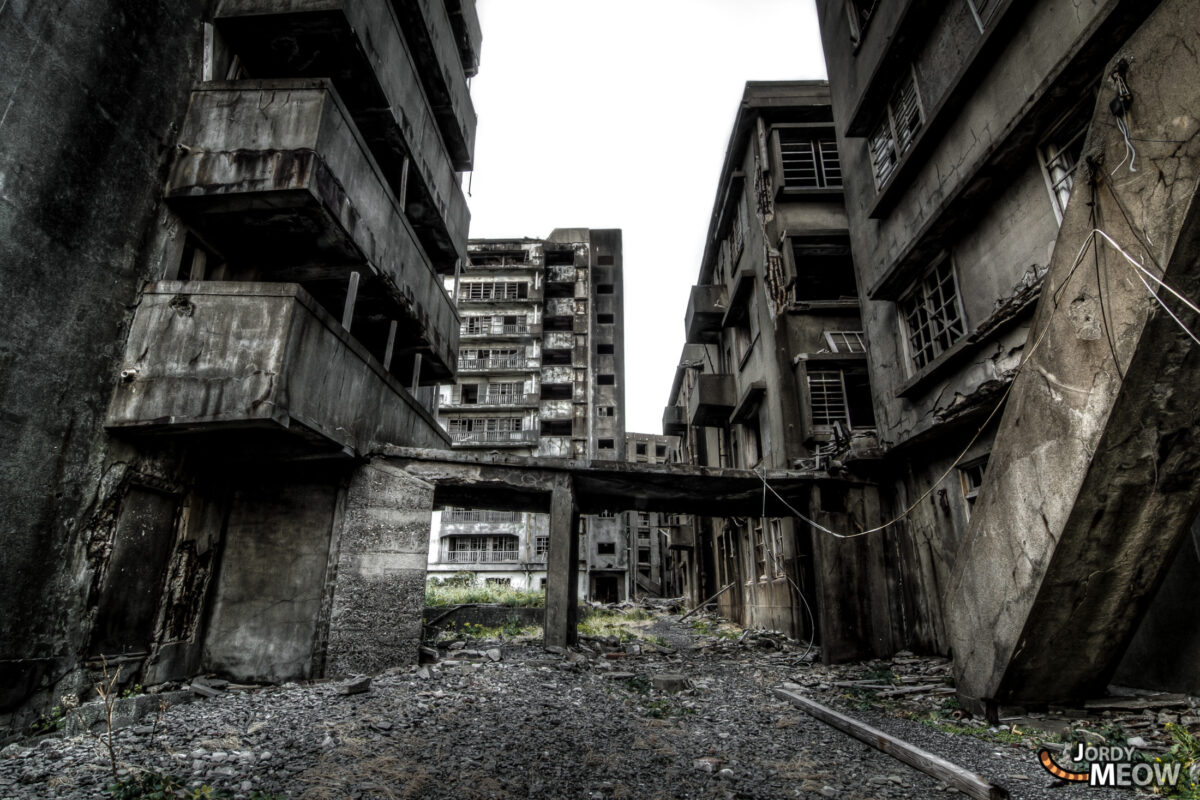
[[678, 714]]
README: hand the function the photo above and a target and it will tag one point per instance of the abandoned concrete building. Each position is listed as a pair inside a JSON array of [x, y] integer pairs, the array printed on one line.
[[541, 373], [773, 372], [1019, 184], [224, 259]]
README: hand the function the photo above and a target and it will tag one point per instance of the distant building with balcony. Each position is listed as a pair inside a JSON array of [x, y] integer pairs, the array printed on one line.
[[541, 373], [229, 225]]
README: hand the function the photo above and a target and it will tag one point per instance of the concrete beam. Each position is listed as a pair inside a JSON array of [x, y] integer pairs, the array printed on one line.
[[1095, 473], [562, 566], [495, 480]]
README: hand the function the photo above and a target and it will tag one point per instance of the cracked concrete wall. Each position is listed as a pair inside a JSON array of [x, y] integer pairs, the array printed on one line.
[[89, 112], [1095, 474]]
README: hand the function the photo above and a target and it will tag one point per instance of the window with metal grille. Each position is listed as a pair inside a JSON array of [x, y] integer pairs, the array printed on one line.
[[504, 392], [541, 546], [896, 130], [827, 397], [760, 549], [476, 325], [932, 314], [808, 163], [846, 341]]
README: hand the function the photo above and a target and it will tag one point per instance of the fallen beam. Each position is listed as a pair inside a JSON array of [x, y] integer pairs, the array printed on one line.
[[961, 779]]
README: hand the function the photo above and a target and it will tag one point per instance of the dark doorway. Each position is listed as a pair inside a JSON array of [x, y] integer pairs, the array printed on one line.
[[605, 589]]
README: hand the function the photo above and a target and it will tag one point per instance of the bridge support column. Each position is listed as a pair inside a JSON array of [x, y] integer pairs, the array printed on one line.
[[375, 591], [562, 566]]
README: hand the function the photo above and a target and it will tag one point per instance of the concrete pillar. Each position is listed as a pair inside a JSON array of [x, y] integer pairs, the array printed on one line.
[[562, 566], [379, 586], [1095, 472]]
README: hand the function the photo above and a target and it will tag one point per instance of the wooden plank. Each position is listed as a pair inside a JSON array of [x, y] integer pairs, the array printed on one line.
[[351, 297], [1137, 703], [960, 778], [391, 346]]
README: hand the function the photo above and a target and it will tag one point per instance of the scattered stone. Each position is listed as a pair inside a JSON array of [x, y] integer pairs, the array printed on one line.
[[203, 690], [494, 654], [1138, 742], [670, 682], [707, 764], [356, 685]]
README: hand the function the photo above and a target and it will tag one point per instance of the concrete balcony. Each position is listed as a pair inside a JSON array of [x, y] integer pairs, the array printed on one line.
[[492, 402], [203, 356], [274, 174], [431, 37], [712, 401], [494, 438], [481, 557], [674, 421], [358, 44], [702, 321]]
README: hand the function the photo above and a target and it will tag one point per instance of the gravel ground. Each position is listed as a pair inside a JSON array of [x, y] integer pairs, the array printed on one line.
[[533, 724]]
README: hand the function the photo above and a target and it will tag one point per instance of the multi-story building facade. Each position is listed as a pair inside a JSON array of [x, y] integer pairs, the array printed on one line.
[[541, 373], [982, 145], [235, 217], [773, 374], [650, 533]]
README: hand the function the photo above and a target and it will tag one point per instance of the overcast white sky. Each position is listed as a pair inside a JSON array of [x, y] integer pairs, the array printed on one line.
[[615, 114]]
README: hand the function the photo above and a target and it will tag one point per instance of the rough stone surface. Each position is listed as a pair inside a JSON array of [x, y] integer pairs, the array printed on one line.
[[535, 725]]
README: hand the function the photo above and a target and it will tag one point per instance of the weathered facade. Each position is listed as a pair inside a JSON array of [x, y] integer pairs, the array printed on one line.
[[650, 533], [225, 229], [773, 375], [541, 374], [981, 146]]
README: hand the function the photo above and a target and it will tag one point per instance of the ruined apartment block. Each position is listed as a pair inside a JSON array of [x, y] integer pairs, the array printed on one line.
[[541, 373], [653, 535], [981, 145], [773, 372], [239, 238]]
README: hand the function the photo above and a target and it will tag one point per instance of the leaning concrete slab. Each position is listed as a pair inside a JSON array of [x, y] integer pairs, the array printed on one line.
[[1095, 475]]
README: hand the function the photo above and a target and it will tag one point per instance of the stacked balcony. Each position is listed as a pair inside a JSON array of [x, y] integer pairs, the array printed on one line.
[[491, 402], [705, 312], [711, 401], [409, 103], [674, 422]]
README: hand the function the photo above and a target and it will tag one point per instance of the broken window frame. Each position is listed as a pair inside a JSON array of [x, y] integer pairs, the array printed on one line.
[[858, 15], [758, 538], [1060, 154], [932, 320], [850, 341], [897, 129], [970, 475]]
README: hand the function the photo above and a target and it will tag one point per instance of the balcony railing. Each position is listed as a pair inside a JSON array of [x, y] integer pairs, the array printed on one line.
[[493, 437], [494, 400], [478, 515], [481, 556], [499, 329], [495, 362]]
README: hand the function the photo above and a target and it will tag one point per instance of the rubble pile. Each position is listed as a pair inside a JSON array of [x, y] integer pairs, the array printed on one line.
[[655, 709]]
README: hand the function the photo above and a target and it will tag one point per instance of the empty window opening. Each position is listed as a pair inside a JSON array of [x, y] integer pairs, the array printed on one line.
[[556, 391], [606, 444], [605, 260], [606, 548], [606, 379], [556, 427], [560, 257], [605, 349], [640, 448], [604, 288], [606, 411], [606, 319], [824, 272], [660, 451]]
